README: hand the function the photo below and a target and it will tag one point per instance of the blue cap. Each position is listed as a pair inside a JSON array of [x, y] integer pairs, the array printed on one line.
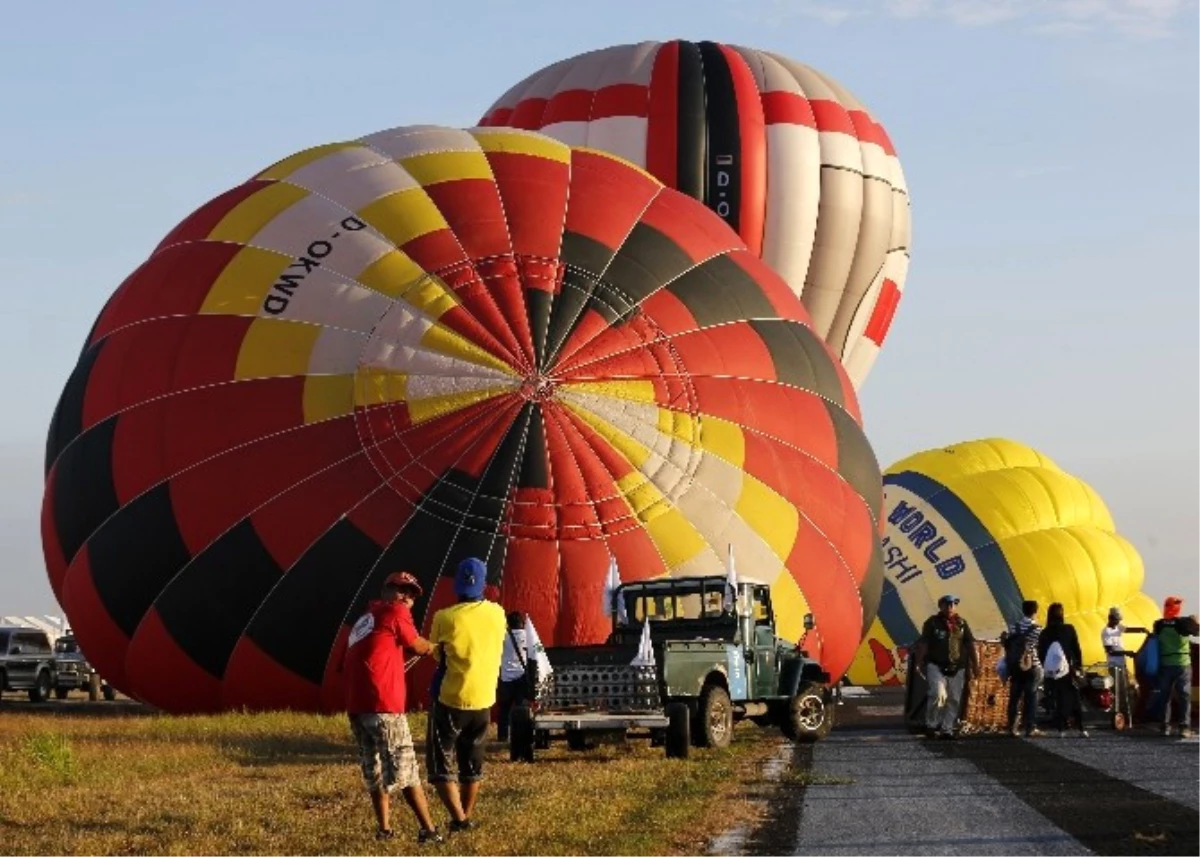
[[471, 578], [947, 599]]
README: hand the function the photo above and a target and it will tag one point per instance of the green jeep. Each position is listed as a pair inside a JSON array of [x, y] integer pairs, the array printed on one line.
[[711, 668]]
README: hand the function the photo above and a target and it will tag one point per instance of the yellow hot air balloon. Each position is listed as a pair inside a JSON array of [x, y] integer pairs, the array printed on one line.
[[996, 522]]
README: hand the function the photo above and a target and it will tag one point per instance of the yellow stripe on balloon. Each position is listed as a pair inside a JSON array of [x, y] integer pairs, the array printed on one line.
[[393, 274], [275, 348], [674, 536], [249, 216], [771, 516], [436, 167], [790, 606], [244, 283], [632, 391], [400, 217], [423, 410], [379, 387], [446, 341], [289, 165], [679, 425], [633, 452], [327, 397], [723, 439], [514, 142]]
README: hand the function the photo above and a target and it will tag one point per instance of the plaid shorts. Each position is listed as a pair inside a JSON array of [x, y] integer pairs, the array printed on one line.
[[385, 751]]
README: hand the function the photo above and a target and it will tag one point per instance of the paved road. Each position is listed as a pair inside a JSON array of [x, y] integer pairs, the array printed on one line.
[[872, 788]]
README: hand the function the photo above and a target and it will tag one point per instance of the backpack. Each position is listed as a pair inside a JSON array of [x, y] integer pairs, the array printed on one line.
[[1056, 663], [1145, 662], [1020, 653]]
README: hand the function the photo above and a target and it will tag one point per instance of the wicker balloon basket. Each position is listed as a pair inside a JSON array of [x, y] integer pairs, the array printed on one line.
[[985, 703]]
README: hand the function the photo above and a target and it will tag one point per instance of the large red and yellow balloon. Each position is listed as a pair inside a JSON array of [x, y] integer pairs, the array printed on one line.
[[784, 154], [430, 343]]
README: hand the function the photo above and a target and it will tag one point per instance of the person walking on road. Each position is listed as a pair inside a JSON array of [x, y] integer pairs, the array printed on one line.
[[468, 639], [1024, 670], [944, 652], [373, 665], [1061, 668], [1175, 665]]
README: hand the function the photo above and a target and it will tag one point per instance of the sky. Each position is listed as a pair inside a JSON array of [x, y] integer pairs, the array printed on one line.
[[1050, 148]]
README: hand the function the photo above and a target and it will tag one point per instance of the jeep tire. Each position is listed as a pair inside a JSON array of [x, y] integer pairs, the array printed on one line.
[[40, 691], [520, 735], [714, 718], [679, 732], [808, 718], [109, 692]]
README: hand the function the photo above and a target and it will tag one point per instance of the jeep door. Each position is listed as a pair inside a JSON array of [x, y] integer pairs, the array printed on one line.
[[765, 678]]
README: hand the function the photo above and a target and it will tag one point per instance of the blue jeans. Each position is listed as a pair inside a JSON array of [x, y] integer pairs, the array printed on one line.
[[1175, 682], [1023, 686]]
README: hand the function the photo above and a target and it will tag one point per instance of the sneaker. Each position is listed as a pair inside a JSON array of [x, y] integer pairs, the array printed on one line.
[[1083, 733], [385, 834], [1166, 731], [427, 836], [461, 826], [1015, 731], [1185, 732], [1034, 733], [1062, 733]]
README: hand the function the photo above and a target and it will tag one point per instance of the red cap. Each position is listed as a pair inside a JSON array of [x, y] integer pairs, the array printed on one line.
[[403, 580], [1172, 607]]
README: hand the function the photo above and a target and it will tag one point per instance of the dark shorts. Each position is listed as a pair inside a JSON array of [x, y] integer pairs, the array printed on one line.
[[454, 744]]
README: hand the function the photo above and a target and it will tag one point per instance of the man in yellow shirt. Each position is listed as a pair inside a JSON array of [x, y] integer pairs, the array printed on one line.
[[468, 640]]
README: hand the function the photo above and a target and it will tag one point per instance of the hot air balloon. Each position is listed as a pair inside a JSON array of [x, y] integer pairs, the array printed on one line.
[[392, 353], [996, 522], [784, 154]]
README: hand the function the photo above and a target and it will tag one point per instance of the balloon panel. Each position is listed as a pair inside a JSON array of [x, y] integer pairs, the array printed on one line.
[[996, 523], [782, 153], [430, 343]]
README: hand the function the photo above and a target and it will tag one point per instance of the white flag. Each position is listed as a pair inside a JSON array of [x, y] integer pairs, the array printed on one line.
[[611, 583], [645, 653], [535, 652], [731, 583]]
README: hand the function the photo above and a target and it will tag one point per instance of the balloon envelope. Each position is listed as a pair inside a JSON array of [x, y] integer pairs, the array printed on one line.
[[393, 353], [995, 522], [784, 154]]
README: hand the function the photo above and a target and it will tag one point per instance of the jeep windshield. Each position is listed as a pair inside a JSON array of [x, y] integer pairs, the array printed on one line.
[[674, 601]]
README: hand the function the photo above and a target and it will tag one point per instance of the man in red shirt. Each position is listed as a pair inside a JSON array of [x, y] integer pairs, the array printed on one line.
[[375, 691]]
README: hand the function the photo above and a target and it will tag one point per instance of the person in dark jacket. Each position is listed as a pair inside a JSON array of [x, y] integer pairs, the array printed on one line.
[[1062, 689]]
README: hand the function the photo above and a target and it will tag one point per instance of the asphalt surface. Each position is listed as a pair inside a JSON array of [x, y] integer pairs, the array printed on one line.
[[873, 788]]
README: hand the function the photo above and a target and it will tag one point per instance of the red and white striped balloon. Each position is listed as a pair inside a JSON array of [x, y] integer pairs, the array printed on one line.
[[790, 159]]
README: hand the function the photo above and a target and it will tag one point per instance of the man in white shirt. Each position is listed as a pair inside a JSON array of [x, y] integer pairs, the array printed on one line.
[[1114, 646], [512, 689]]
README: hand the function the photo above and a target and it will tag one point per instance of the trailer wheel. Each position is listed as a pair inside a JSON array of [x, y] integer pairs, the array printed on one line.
[[679, 732], [520, 735]]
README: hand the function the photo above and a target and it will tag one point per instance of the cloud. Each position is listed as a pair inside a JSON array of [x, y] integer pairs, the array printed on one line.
[[1142, 20]]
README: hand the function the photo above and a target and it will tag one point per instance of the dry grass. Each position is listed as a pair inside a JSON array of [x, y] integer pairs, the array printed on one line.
[[289, 784]]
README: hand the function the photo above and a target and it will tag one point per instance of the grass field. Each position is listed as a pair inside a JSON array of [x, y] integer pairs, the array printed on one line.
[[88, 783]]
